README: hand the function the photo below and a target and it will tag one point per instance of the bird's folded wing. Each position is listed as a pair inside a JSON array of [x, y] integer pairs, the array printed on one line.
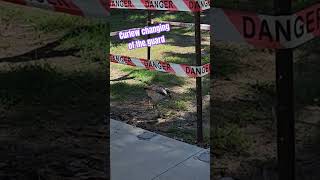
[[161, 91]]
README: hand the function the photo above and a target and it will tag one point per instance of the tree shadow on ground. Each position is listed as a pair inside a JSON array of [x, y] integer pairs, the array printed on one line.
[[52, 123]]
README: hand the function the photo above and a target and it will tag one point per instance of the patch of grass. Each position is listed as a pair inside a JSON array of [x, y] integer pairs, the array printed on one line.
[[154, 77], [181, 105], [176, 16], [121, 20], [226, 59], [57, 22], [177, 105], [266, 88], [123, 91], [230, 137], [188, 135], [93, 42], [250, 115]]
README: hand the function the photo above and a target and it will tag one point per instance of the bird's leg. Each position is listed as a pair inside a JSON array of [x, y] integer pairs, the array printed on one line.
[[158, 111], [149, 100]]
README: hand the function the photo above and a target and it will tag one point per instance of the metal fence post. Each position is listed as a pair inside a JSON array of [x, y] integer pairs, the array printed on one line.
[[198, 79], [149, 24], [285, 104]]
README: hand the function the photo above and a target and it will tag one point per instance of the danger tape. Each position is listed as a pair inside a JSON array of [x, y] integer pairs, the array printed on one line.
[[167, 5], [181, 70], [278, 32], [85, 8], [205, 27]]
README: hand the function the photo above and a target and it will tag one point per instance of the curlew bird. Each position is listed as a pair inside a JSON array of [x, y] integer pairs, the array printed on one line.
[[156, 94]]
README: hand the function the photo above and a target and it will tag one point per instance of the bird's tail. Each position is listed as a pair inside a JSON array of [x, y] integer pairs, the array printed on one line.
[[169, 93]]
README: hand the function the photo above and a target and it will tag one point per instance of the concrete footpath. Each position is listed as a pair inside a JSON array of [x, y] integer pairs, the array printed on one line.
[[137, 154]]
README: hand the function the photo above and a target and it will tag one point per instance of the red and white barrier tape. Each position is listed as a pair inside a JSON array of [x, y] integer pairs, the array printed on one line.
[[168, 5], [181, 70], [205, 27], [86, 8], [279, 32]]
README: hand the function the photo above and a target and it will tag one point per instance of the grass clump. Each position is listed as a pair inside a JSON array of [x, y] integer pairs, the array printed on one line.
[[123, 91], [230, 137]]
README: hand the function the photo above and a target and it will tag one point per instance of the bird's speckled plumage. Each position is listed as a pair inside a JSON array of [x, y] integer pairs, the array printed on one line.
[[157, 94]]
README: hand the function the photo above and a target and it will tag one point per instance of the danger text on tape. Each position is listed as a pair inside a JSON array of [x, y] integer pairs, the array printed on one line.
[[177, 69], [169, 5], [266, 31]]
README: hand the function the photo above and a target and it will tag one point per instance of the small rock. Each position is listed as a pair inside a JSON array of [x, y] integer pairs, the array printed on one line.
[[205, 157], [146, 135]]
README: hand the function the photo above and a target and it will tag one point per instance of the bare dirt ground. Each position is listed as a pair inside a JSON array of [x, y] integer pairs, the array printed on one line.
[[51, 109]]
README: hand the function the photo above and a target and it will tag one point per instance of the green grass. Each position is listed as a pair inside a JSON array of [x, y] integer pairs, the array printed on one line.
[[90, 36], [121, 19], [150, 77], [226, 60], [93, 41], [121, 91], [176, 16], [188, 135], [180, 105], [177, 104], [230, 138]]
